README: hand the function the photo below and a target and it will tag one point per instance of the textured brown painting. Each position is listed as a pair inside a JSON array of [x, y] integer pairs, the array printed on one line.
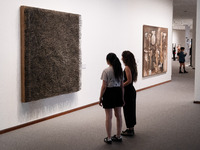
[[50, 53], [155, 42]]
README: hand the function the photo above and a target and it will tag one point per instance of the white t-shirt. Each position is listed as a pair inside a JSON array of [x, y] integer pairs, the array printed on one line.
[[109, 77]]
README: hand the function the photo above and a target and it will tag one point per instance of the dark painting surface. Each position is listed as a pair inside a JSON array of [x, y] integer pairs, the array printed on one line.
[[50, 53], [155, 42]]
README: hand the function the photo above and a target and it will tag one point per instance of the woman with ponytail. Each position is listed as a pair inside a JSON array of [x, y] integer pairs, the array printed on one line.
[[130, 76], [111, 96]]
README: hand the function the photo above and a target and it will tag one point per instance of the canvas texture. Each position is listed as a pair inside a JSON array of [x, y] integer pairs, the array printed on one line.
[[155, 47], [50, 53]]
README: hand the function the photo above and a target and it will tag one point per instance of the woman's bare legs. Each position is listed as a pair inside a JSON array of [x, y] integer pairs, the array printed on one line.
[[119, 120], [184, 68], [182, 64], [108, 122]]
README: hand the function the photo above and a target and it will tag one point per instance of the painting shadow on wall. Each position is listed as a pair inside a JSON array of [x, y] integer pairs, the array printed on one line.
[[35, 109]]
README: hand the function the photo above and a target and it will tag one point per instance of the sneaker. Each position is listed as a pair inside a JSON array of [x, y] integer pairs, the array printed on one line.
[[180, 72], [108, 141], [128, 132], [116, 139]]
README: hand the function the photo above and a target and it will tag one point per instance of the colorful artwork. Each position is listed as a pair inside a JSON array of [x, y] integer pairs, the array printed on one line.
[[50, 51], [155, 42]]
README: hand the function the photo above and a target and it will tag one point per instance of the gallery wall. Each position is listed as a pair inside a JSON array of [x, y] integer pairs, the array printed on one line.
[[106, 26], [178, 37]]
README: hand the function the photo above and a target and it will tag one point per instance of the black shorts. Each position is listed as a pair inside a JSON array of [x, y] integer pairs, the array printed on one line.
[[181, 62], [112, 98]]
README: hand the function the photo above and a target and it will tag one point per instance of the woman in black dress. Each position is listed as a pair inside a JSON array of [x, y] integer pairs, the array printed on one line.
[[130, 76]]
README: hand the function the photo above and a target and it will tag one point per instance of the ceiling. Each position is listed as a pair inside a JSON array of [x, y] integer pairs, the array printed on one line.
[[184, 11]]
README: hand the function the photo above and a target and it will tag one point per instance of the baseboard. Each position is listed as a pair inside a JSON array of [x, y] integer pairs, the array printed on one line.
[[63, 113], [153, 86]]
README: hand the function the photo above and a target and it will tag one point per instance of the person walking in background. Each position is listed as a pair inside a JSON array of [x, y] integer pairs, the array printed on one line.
[[130, 76], [112, 96], [174, 53], [182, 60], [178, 52]]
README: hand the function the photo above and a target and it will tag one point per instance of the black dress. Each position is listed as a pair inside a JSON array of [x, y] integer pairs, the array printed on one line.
[[130, 104]]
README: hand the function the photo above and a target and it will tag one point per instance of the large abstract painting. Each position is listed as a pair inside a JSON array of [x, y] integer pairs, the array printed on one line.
[[50, 51], [155, 42]]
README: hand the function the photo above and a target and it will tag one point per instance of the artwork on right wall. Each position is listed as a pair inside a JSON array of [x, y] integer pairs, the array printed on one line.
[[155, 42]]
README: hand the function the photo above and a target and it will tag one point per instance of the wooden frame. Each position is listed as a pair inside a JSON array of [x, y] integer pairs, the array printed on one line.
[[155, 45]]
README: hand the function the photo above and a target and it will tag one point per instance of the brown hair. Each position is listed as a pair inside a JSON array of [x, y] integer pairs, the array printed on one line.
[[129, 60]]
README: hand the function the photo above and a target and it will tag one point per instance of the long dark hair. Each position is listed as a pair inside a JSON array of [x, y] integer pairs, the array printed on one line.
[[129, 60], [115, 63]]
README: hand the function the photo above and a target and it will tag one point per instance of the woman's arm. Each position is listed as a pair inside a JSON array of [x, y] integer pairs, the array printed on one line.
[[122, 86], [185, 54], [103, 88], [128, 75]]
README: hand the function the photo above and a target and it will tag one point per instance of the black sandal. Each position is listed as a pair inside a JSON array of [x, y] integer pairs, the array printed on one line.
[[106, 140], [116, 139]]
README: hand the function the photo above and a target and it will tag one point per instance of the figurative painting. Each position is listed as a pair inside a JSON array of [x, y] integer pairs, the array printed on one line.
[[50, 53], [155, 45]]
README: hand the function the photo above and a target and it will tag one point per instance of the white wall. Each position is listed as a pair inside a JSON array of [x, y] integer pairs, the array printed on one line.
[[107, 25], [178, 37], [197, 55]]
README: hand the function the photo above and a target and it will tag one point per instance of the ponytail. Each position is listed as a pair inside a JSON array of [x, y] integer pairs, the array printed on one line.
[[115, 63]]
